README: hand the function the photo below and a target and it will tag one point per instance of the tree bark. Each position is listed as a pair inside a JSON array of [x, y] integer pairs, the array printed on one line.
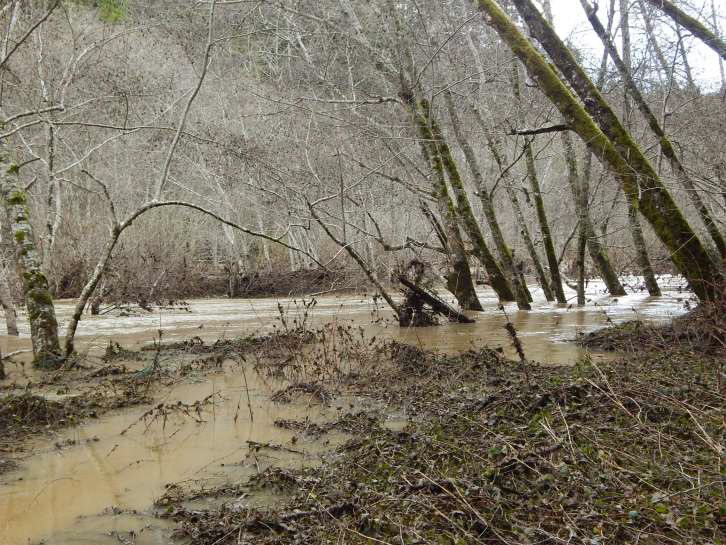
[[636, 176], [544, 225], [665, 143], [38, 301], [508, 183], [580, 207], [636, 230], [6, 301], [459, 280]]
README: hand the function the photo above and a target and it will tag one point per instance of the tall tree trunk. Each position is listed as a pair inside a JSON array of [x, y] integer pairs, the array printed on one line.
[[544, 225], [38, 301], [641, 251], [6, 301], [665, 143], [595, 248], [521, 294], [458, 280], [656, 204], [580, 188], [636, 230], [580, 207]]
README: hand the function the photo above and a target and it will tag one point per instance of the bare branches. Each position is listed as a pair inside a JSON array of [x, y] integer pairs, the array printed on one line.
[[182, 122], [692, 24], [28, 33]]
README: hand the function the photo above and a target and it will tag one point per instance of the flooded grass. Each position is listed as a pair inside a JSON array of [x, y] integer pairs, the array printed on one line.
[[628, 451]]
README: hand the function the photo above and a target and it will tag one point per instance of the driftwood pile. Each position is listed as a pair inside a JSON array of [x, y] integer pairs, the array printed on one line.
[[421, 306]]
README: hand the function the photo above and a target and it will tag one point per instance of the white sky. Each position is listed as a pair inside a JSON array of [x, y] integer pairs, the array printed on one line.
[[571, 24]]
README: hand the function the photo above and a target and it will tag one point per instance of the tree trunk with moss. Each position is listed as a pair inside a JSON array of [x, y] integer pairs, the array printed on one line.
[[636, 175], [693, 25], [665, 144], [597, 251], [544, 225], [458, 279], [521, 293], [38, 301], [573, 179], [506, 176]]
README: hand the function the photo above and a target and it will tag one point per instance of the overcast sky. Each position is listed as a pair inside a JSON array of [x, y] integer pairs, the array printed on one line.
[[571, 23]]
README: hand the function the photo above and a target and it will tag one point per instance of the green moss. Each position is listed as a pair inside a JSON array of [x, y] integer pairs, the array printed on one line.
[[13, 169], [41, 296], [112, 11], [17, 198], [19, 236]]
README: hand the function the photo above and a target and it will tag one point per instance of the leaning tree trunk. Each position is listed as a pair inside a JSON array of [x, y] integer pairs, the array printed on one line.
[[506, 176], [459, 280], [641, 252], [694, 26], [665, 144], [580, 206], [580, 188], [656, 203], [521, 292], [544, 225], [38, 301], [429, 130]]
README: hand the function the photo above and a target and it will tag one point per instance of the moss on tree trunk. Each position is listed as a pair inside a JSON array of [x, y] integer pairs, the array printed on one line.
[[459, 280], [534, 185], [521, 292], [696, 28], [38, 301], [623, 66], [636, 175]]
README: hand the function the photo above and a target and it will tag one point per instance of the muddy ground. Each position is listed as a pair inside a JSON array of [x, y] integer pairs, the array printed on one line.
[[498, 451], [493, 451]]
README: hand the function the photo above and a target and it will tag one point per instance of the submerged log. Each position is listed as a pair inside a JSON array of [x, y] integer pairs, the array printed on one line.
[[410, 311]]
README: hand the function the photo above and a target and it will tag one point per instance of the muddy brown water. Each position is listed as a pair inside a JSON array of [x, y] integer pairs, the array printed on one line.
[[87, 490]]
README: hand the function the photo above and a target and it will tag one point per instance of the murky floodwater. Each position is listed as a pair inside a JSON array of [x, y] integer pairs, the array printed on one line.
[[62, 489], [62, 495]]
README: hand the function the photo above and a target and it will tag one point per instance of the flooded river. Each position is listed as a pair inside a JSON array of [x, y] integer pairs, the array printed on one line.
[[87, 482]]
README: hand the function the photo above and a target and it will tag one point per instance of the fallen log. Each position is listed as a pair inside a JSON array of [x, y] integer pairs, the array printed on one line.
[[437, 305]]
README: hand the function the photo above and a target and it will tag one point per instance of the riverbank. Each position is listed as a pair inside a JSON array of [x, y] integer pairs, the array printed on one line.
[[236, 438], [498, 451]]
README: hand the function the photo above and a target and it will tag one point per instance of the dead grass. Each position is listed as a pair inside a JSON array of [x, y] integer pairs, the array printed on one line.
[[626, 452]]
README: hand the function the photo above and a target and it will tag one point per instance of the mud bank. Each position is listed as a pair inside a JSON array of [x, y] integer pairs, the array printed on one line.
[[503, 452]]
